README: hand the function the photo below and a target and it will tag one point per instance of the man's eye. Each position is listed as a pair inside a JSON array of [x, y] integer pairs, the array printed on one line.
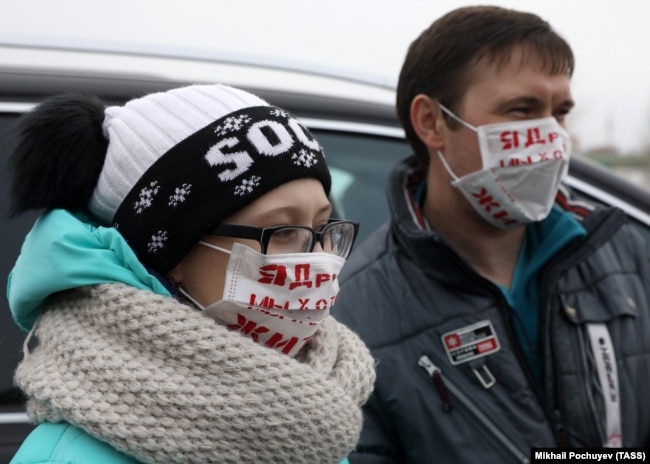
[[561, 115]]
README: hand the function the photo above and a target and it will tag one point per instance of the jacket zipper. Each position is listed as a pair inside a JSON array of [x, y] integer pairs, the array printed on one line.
[[560, 432], [442, 385], [552, 271], [553, 416]]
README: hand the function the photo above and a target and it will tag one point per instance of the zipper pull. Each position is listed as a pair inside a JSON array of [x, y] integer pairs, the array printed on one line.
[[436, 376]]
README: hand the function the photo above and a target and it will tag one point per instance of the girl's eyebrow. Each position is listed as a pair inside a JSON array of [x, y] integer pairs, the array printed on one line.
[[291, 210]]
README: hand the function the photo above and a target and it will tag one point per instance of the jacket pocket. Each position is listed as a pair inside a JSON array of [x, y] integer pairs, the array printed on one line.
[[597, 380]]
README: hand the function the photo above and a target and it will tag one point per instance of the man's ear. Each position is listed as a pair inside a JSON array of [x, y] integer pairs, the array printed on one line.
[[427, 121]]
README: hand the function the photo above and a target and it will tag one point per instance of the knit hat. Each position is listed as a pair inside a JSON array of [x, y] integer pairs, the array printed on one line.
[[179, 162]]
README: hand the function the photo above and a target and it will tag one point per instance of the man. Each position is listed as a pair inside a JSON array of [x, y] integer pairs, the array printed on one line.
[[502, 314]]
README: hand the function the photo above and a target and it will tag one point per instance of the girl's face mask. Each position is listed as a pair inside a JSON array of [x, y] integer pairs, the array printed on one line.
[[277, 300], [523, 165]]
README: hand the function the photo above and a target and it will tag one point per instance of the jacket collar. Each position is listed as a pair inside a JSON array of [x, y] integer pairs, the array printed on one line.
[[424, 246]]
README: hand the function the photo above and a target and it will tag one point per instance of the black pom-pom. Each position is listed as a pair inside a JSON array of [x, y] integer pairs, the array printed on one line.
[[60, 152]]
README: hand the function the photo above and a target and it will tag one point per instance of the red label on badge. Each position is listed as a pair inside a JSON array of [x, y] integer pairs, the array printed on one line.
[[470, 342]]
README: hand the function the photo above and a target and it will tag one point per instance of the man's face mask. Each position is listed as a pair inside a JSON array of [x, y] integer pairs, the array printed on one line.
[[523, 165], [277, 300]]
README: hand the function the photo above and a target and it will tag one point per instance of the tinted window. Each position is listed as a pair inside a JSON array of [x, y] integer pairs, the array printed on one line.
[[360, 165], [13, 231]]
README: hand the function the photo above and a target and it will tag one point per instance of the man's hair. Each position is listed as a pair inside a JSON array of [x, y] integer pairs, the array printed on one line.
[[439, 62]]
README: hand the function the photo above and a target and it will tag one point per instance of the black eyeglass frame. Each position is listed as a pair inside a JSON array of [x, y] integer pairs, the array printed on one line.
[[263, 234]]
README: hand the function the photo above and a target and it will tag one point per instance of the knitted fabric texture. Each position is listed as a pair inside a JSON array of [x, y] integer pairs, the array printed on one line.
[[162, 383], [180, 162]]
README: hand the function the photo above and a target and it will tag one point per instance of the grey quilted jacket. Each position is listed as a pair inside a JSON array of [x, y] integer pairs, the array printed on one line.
[[407, 294]]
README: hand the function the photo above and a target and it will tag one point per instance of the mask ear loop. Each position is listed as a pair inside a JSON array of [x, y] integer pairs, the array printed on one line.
[[192, 300], [444, 163], [215, 247], [453, 116], [466, 124], [179, 286]]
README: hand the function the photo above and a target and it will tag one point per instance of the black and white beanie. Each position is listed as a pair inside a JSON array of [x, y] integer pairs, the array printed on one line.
[[177, 163]]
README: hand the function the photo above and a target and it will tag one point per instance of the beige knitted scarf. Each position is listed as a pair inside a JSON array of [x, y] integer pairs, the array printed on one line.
[[160, 382]]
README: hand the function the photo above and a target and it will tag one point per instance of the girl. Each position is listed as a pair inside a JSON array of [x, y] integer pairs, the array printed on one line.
[[199, 201]]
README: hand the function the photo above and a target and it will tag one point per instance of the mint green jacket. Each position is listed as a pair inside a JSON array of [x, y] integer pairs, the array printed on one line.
[[65, 444]]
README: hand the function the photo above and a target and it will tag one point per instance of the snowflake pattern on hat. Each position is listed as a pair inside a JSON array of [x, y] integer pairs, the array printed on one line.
[[215, 171], [147, 195], [277, 112], [180, 195], [157, 241], [305, 158], [247, 186], [232, 124]]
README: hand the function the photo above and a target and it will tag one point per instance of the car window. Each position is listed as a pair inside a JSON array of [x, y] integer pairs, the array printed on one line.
[[360, 165], [641, 226], [13, 232]]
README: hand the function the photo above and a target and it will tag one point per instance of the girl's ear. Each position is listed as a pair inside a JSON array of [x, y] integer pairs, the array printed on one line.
[[59, 154], [427, 121]]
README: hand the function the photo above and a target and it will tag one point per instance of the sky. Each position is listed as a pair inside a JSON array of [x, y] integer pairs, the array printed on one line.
[[611, 41]]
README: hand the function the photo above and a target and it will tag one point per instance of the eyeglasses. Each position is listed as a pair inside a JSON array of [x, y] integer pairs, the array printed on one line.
[[337, 237]]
